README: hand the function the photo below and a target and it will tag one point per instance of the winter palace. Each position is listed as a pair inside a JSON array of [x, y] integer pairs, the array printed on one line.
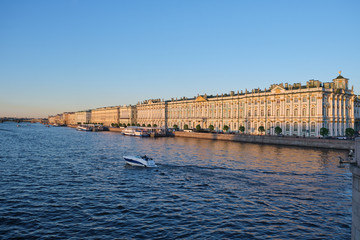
[[298, 109]]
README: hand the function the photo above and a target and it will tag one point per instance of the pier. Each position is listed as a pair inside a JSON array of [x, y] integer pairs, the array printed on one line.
[[355, 169], [274, 140]]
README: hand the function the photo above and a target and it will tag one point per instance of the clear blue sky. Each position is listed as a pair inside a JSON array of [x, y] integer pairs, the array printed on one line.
[[73, 55]]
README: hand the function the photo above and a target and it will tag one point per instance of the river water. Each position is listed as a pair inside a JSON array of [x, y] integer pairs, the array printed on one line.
[[58, 183]]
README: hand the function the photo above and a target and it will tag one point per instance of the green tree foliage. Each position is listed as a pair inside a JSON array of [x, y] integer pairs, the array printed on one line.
[[226, 128], [242, 129], [175, 126], [350, 132], [186, 127], [324, 131], [261, 129], [154, 125], [211, 127], [278, 130], [149, 125], [198, 127]]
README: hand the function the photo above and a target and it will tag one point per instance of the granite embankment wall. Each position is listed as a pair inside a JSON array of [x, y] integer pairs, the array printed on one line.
[[355, 169], [288, 141]]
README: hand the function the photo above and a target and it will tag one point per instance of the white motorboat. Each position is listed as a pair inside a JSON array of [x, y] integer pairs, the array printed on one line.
[[84, 128], [140, 161], [135, 131]]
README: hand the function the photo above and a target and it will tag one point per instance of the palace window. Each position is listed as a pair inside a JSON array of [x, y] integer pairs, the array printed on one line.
[[249, 113], [304, 99], [287, 127], [296, 100], [269, 101], [277, 112], [295, 112], [269, 112], [255, 113], [278, 101], [313, 99], [312, 111], [295, 127], [287, 112], [262, 113], [304, 111], [287, 100], [312, 127], [304, 127]]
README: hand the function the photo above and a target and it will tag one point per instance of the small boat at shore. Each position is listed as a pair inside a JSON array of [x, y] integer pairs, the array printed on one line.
[[140, 161], [84, 128], [135, 131]]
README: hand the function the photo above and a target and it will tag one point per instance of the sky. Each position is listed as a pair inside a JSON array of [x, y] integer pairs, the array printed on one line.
[[72, 55]]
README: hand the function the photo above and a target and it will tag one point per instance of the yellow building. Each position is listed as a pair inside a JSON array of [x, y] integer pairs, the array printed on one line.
[[105, 115], [152, 112], [127, 115]]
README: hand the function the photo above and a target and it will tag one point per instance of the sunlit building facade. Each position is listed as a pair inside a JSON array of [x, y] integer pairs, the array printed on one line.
[[299, 110]]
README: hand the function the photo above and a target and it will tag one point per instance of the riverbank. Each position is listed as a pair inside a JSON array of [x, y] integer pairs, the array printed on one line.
[[274, 140]]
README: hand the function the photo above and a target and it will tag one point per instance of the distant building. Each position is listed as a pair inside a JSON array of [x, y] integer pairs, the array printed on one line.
[[83, 117], [152, 112]]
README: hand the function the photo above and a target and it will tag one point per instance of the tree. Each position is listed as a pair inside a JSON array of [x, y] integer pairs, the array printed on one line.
[[138, 124], [120, 125], [79, 123], [175, 126], [226, 128], [186, 127], [128, 124], [324, 132], [149, 125], [133, 124], [242, 129], [198, 127], [154, 125], [261, 129], [278, 130], [143, 125], [211, 127], [349, 132]]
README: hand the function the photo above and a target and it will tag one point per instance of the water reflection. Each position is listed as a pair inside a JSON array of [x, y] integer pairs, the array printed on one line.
[[75, 184]]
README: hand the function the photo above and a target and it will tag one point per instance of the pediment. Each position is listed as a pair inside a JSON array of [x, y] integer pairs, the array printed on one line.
[[278, 89], [201, 99]]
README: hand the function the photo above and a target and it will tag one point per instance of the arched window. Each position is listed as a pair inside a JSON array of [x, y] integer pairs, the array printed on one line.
[[269, 112], [295, 127], [287, 112], [287, 127], [295, 112], [277, 112], [304, 112], [312, 127], [304, 127]]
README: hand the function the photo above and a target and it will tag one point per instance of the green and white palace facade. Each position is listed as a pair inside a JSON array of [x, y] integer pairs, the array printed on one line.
[[299, 110]]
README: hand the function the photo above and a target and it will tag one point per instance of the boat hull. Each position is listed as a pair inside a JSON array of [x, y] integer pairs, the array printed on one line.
[[139, 161]]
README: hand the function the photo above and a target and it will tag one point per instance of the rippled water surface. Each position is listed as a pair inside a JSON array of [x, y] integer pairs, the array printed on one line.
[[57, 183]]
